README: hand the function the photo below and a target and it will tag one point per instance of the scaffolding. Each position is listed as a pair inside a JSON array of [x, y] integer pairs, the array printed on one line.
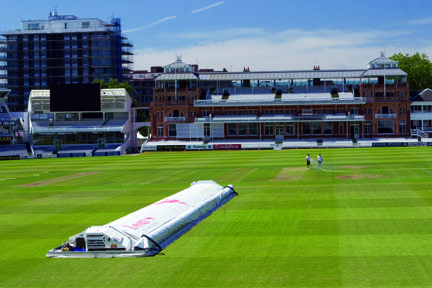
[[43, 52]]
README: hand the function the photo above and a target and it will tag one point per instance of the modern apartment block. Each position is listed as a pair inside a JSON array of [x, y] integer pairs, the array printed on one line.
[[63, 49]]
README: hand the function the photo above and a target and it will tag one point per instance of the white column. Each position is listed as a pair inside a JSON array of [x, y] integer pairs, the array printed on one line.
[[347, 128]]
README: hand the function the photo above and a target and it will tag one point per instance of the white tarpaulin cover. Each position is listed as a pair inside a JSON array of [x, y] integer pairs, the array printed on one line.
[[149, 230]]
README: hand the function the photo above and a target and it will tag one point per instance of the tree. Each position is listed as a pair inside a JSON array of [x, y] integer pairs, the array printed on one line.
[[145, 131], [140, 116], [419, 69], [114, 83], [102, 82]]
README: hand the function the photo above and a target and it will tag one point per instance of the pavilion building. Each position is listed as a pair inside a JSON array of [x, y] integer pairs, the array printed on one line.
[[189, 104]]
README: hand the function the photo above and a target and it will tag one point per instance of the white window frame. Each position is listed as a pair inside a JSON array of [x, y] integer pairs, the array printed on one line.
[[253, 129], [385, 122], [329, 124], [303, 128], [268, 129], [368, 128], [160, 130], [289, 129], [232, 129]]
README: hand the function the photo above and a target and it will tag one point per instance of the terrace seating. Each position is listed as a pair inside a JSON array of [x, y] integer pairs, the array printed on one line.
[[77, 149], [5, 117], [65, 151], [318, 89], [309, 89], [40, 123], [43, 150], [10, 150], [93, 123], [116, 123], [243, 90], [108, 150]]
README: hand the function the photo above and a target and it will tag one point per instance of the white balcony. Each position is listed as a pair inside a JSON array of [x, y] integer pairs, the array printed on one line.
[[175, 119], [279, 102], [278, 118], [421, 116], [385, 116]]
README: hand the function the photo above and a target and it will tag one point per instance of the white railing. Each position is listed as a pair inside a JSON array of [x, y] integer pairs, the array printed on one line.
[[343, 117], [418, 132], [381, 116], [228, 119], [279, 138], [175, 119], [116, 122], [76, 129], [276, 118], [56, 30], [307, 101]]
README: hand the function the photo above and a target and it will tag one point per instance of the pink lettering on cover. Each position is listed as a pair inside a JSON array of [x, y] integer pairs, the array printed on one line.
[[171, 201], [140, 223]]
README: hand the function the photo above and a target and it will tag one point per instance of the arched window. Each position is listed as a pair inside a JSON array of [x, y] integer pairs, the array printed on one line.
[[385, 110], [176, 113]]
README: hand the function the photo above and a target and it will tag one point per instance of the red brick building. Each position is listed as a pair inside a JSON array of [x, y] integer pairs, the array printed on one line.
[[189, 104]]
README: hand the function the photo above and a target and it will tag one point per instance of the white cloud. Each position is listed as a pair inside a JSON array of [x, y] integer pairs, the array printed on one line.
[[286, 50], [208, 7], [219, 34], [150, 25], [424, 21]]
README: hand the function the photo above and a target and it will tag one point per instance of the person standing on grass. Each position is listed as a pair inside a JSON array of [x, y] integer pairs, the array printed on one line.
[[307, 161], [319, 159]]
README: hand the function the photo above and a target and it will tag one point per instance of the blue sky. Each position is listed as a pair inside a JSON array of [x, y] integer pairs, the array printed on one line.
[[262, 35]]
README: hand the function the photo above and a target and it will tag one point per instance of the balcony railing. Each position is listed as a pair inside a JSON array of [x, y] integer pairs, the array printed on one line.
[[279, 102], [376, 86], [179, 90], [277, 118], [419, 132], [175, 119], [385, 116]]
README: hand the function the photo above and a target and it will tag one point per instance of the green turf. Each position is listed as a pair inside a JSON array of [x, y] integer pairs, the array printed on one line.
[[364, 220]]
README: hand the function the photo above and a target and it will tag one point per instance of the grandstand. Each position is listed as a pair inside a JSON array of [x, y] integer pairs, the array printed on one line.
[[75, 151], [13, 150], [11, 131], [43, 150], [63, 132]]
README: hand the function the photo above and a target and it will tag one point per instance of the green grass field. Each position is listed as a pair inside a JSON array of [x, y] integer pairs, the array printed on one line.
[[364, 220]]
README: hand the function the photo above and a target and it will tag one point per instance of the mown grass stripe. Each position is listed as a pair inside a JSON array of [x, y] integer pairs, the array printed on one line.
[[289, 227]]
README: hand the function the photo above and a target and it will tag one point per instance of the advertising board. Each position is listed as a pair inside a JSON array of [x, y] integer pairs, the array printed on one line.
[[171, 147], [227, 146]]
